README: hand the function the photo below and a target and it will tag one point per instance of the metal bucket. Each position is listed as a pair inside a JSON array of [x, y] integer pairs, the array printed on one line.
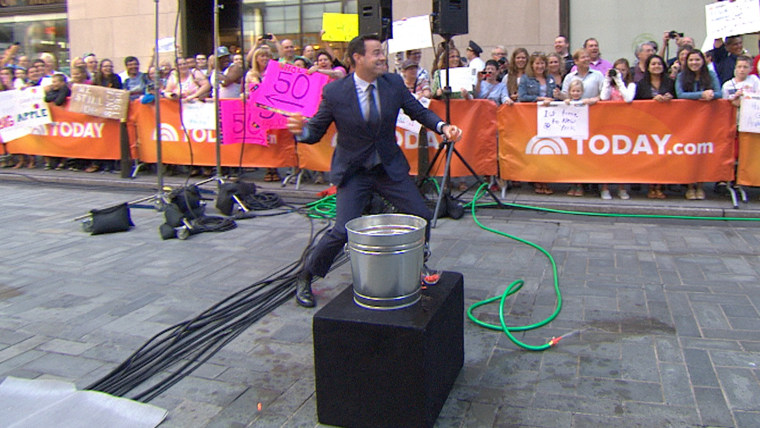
[[387, 254]]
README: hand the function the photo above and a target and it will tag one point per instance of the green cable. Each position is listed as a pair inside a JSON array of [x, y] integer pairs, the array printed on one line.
[[513, 288], [322, 208], [516, 285]]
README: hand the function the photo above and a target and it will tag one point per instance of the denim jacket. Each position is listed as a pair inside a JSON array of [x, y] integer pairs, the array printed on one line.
[[529, 86]]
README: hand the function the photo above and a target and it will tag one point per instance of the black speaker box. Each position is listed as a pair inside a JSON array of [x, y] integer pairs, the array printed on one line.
[[450, 17], [376, 17], [389, 368]]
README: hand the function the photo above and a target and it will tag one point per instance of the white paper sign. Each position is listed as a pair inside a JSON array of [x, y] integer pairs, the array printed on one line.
[[405, 122], [22, 110], [562, 120], [411, 33], [198, 115], [726, 18], [166, 45], [459, 77], [749, 114]]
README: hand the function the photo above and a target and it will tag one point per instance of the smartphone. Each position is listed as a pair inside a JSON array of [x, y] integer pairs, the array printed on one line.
[[267, 36]]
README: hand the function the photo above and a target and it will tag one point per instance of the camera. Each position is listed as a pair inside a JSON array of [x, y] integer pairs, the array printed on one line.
[[267, 36], [612, 72], [502, 61], [673, 34]]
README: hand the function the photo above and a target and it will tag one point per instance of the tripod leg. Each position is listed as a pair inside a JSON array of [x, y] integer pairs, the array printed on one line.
[[444, 188], [475, 175]]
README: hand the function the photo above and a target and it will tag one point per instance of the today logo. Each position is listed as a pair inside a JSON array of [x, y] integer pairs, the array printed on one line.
[[170, 134], [644, 144]]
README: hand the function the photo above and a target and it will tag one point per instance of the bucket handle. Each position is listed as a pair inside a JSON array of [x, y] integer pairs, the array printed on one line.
[[346, 250]]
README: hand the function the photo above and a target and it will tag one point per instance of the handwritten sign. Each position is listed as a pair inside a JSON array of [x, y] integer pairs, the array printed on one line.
[[562, 120], [166, 45], [198, 115], [238, 125], [21, 111], [749, 114], [725, 18], [290, 89], [99, 101], [411, 33], [340, 27]]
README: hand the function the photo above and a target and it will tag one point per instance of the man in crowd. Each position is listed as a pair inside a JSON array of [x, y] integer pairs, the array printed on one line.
[[562, 47], [472, 53], [724, 56], [366, 157], [597, 62], [231, 76], [499, 54], [91, 62], [287, 51], [643, 52], [136, 82], [680, 42], [201, 62]]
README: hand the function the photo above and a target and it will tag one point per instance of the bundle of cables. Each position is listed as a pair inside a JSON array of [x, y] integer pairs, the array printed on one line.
[[178, 350], [185, 216]]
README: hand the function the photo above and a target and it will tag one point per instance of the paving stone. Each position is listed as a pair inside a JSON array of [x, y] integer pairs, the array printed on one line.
[[741, 388], [700, 368], [712, 407]]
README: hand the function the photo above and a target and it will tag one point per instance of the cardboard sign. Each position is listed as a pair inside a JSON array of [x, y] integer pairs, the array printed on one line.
[[411, 33], [238, 124], [289, 89], [99, 101], [22, 110], [749, 114], [562, 120], [732, 18], [340, 27], [198, 115]]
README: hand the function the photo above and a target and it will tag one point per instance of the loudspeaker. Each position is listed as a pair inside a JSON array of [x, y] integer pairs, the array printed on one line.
[[376, 17], [450, 17]]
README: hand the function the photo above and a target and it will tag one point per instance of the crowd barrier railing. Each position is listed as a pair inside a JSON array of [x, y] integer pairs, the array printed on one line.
[[643, 142]]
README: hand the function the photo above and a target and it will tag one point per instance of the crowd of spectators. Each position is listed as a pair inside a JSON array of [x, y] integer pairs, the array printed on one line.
[[581, 75]]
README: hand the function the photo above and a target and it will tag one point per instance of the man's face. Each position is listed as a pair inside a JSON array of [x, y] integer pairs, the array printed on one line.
[[23, 61], [373, 63], [583, 59], [201, 61], [308, 52], [132, 67], [238, 59], [645, 52], [498, 54], [224, 62], [190, 62], [92, 63], [685, 41], [288, 48], [735, 46], [742, 70], [6, 76], [560, 45], [592, 46]]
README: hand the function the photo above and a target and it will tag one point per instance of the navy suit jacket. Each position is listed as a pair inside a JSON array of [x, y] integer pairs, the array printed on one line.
[[356, 141]]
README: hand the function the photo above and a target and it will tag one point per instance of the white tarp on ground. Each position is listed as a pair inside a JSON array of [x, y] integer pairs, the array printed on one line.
[[49, 403]]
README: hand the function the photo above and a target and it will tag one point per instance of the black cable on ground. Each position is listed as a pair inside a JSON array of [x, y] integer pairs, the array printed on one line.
[[187, 345]]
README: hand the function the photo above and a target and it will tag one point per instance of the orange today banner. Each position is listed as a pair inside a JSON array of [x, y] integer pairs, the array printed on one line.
[[748, 172], [177, 143], [682, 141], [478, 146], [73, 135]]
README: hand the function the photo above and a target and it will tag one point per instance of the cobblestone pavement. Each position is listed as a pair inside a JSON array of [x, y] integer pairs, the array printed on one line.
[[664, 315]]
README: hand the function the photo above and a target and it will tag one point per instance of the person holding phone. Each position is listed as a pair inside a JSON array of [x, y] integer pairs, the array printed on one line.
[[489, 88]]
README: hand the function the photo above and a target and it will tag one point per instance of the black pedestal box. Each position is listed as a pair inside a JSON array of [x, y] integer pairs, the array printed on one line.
[[390, 368]]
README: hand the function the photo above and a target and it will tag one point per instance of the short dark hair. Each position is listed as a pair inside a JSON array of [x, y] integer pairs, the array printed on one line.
[[356, 45], [38, 61], [130, 59], [493, 63]]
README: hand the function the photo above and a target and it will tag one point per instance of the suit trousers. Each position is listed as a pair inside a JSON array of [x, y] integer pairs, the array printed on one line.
[[351, 199]]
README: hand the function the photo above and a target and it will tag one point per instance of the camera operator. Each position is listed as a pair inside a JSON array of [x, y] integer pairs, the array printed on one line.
[[680, 40]]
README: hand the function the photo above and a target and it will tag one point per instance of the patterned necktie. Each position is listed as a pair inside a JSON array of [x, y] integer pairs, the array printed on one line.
[[374, 114]]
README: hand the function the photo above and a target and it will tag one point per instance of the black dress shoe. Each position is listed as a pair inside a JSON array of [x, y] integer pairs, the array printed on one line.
[[304, 296]]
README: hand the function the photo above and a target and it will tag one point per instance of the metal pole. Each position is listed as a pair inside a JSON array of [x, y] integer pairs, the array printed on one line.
[[216, 89], [157, 86]]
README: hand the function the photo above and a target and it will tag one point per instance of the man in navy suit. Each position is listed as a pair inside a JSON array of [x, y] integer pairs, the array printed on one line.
[[364, 106]]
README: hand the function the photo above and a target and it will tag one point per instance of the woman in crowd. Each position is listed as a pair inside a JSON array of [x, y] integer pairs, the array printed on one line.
[[302, 62], [325, 66], [190, 85], [537, 85], [439, 76], [679, 62], [420, 88], [697, 82], [20, 78], [488, 88], [79, 75], [255, 76], [6, 78], [575, 92], [517, 67], [655, 85], [555, 67], [617, 86], [104, 77]]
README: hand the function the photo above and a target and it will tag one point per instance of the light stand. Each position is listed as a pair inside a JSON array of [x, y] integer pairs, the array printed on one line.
[[449, 147], [160, 196]]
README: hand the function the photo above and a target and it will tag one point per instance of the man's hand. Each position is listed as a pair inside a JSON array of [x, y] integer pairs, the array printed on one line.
[[295, 124], [452, 132]]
